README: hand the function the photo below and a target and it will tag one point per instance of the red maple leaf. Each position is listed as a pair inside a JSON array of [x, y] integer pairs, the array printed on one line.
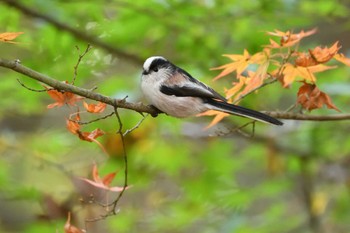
[[310, 98]]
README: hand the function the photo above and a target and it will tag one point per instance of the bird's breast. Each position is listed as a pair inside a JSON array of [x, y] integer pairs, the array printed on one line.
[[171, 104]]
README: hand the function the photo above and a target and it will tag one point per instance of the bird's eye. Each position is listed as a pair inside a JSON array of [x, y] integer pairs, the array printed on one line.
[[155, 69]]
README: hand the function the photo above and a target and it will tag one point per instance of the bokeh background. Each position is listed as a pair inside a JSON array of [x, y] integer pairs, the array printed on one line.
[[184, 178]]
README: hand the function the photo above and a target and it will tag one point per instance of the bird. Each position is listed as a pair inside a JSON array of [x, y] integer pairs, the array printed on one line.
[[172, 90]]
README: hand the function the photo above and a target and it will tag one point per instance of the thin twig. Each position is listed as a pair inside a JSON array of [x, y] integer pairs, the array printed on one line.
[[239, 130], [32, 89], [255, 89], [88, 48], [120, 132], [94, 120], [135, 127], [62, 86], [139, 107]]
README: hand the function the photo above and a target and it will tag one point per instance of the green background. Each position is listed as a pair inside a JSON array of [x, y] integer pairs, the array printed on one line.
[[293, 178]]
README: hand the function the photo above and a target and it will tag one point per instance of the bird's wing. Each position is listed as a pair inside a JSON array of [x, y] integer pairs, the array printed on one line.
[[192, 87]]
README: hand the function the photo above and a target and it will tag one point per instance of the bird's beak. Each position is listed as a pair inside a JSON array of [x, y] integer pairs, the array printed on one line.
[[144, 72]]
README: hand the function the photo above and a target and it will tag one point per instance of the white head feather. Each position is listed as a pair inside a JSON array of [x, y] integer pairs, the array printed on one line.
[[149, 61]]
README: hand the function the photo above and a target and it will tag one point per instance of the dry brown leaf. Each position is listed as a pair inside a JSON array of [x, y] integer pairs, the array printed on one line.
[[310, 98]]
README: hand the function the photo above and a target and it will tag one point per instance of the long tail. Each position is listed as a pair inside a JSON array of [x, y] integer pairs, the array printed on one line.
[[241, 111]]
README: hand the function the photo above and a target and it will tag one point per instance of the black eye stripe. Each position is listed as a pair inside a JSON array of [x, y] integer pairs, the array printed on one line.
[[157, 64]]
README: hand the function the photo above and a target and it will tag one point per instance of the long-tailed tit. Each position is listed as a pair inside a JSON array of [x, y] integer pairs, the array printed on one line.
[[175, 92]]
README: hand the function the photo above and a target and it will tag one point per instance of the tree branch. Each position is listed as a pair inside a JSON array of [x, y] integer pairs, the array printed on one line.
[[61, 86], [139, 107], [304, 117], [73, 31]]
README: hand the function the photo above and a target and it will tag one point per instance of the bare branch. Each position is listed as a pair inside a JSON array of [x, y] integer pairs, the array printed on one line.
[[135, 127], [255, 89], [29, 88], [92, 121], [120, 132], [304, 117], [61, 86], [88, 48], [139, 107]]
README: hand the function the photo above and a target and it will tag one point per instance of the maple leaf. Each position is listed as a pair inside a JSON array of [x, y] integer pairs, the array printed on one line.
[[236, 87], [91, 136], [218, 117], [305, 60], [105, 182], [341, 58], [240, 63], [322, 55], [62, 98], [69, 228], [317, 55], [7, 37], [95, 108], [256, 79], [288, 38], [291, 72], [73, 123], [310, 98], [74, 127]]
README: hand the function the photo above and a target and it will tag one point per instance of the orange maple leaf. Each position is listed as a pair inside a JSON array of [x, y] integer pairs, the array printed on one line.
[[95, 108], [256, 79], [341, 58], [322, 55], [7, 37], [74, 127], [62, 98], [91, 136], [291, 72], [105, 182], [310, 98], [69, 228], [305, 60], [317, 55], [73, 124], [288, 38]]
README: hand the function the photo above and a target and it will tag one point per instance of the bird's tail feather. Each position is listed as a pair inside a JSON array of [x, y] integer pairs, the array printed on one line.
[[241, 111]]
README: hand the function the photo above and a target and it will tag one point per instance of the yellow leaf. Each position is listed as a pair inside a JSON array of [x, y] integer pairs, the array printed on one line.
[[239, 65], [217, 119], [9, 36], [236, 87], [288, 38], [257, 78], [291, 72], [341, 58]]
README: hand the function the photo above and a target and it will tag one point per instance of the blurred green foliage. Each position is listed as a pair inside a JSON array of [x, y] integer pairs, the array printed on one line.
[[182, 179]]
